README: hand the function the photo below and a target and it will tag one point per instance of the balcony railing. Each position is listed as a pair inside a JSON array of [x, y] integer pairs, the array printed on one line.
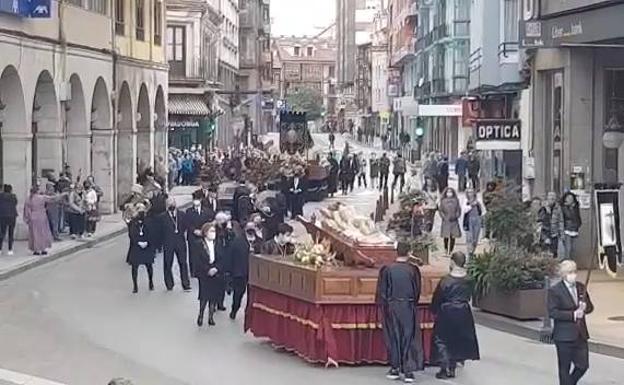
[[475, 59]]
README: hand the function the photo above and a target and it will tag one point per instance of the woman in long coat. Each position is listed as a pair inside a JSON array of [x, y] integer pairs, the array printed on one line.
[[454, 336], [210, 267], [36, 217], [473, 221], [142, 232], [332, 179], [450, 212]]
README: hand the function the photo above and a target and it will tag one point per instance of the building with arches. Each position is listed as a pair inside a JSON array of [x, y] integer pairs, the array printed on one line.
[[86, 88]]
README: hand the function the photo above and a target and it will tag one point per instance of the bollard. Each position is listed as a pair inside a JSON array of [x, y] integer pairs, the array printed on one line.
[[392, 196], [385, 197]]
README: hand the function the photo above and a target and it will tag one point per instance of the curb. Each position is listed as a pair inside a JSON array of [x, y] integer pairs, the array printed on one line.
[[83, 245], [523, 330]]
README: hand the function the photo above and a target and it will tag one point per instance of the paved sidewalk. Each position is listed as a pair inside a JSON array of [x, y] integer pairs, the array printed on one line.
[[109, 227]]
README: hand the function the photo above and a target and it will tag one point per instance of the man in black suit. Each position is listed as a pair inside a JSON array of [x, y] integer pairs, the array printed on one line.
[[296, 190], [568, 303], [173, 226], [196, 217], [240, 250]]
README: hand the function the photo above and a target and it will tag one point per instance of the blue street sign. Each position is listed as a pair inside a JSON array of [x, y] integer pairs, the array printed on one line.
[[40, 9]]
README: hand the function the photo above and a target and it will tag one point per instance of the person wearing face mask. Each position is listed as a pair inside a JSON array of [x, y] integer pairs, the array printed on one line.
[[141, 251], [239, 249], [196, 217], [373, 169], [296, 191], [173, 227], [225, 238], [450, 211], [454, 336], [281, 242], [254, 237], [568, 304], [209, 268]]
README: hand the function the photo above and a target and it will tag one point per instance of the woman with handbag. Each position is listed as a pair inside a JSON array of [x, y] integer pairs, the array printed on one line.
[[473, 220], [210, 267]]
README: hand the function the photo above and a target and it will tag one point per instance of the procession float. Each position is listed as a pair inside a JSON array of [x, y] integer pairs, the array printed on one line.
[[319, 302]]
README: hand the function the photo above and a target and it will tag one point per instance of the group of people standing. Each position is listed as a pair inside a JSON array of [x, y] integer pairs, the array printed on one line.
[[454, 337], [52, 206], [559, 222]]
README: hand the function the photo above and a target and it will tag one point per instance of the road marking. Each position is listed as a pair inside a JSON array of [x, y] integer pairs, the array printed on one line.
[[24, 379]]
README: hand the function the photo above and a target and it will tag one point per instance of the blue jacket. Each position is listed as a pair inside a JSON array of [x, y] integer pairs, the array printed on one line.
[[461, 166]]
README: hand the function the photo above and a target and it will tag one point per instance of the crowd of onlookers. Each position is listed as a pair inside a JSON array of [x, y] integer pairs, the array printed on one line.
[[56, 205]]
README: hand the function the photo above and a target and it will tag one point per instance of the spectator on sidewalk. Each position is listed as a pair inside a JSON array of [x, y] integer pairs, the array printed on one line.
[[63, 186], [461, 170], [571, 216], [172, 175], [39, 236], [98, 190], [430, 172], [443, 173], [76, 211], [53, 208], [91, 208], [8, 215], [472, 220], [399, 168], [432, 199], [361, 162], [384, 171], [450, 212], [374, 169], [474, 166], [489, 195]]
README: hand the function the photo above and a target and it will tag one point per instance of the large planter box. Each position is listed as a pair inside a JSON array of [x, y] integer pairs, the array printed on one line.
[[520, 304]]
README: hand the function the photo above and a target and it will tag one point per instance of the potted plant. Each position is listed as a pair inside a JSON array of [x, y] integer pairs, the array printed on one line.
[[401, 225], [509, 278]]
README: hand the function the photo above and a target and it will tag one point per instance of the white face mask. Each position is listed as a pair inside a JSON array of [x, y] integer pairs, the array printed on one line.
[[196, 202], [211, 235], [449, 195], [570, 278]]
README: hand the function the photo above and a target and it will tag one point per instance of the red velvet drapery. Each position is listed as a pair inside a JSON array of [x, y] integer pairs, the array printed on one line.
[[345, 333]]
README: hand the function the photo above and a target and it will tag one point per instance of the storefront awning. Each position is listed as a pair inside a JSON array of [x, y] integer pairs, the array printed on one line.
[[190, 105]]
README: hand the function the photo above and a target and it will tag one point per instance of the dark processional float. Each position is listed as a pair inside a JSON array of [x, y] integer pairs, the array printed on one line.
[[320, 301]]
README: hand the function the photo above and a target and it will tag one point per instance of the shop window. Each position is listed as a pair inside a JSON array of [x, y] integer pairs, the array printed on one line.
[[613, 114], [297, 51], [176, 50], [554, 131]]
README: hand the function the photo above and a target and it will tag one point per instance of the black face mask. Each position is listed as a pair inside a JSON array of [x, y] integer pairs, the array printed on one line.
[[172, 208], [141, 215]]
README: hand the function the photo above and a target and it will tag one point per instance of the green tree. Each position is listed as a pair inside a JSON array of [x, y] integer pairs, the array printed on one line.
[[306, 100]]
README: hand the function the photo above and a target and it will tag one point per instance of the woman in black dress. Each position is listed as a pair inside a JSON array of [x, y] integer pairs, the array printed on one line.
[[210, 270], [454, 337], [142, 234]]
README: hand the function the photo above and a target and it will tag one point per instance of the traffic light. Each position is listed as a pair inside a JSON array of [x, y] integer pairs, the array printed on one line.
[[420, 130]]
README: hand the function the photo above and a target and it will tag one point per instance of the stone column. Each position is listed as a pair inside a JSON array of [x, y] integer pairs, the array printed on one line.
[[160, 143], [102, 156], [50, 152], [17, 165], [126, 169], [79, 154], [145, 147]]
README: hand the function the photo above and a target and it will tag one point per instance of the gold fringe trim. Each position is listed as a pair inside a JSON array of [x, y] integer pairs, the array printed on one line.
[[314, 325]]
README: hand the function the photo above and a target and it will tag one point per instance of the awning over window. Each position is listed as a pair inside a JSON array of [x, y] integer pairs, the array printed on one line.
[[192, 105]]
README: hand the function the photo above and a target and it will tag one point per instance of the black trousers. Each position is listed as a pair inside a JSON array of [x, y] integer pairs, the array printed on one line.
[[362, 180], [179, 249], [135, 274], [7, 225], [383, 181], [398, 178], [239, 287], [573, 354]]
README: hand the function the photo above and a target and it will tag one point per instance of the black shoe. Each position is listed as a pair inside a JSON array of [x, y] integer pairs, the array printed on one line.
[[151, 286], [408, 378], [135, 290], [443, 374], [393, 374], [169, 288], [232, 315], [211, 321], [200, 320], [221, 308], [187, 289], [451, 373]]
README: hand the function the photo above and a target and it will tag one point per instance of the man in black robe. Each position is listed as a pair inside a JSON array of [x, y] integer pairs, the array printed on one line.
[[454, 336], [398, 292], [196, 217], [239, 249]]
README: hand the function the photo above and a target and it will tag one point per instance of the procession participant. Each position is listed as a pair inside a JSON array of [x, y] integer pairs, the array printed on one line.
[[209, 262], [225, 237], [332, 139], [196, 218], [332, 180], [173, 225], [254, 239], [568, 304], [141, 251], [239, 249], [398, 292], [272, 218], [454, 336], [374, 169], [242, 206], [280, 244], [361, 161], [296, 190], [384, 171], [399, 168], [348, 170]]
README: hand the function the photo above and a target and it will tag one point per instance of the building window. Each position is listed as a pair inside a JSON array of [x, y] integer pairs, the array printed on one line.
[[297, 51], [510, 21], [553, 165], [98, 6], [614, 115], [310, 51], [140, 19], [158, 22], [176, 50], [77, 3], [332, 71], [120, 17]]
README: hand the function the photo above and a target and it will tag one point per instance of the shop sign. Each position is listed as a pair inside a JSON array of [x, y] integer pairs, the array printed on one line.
[[498, 134], [440, 110], [183, 124]]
